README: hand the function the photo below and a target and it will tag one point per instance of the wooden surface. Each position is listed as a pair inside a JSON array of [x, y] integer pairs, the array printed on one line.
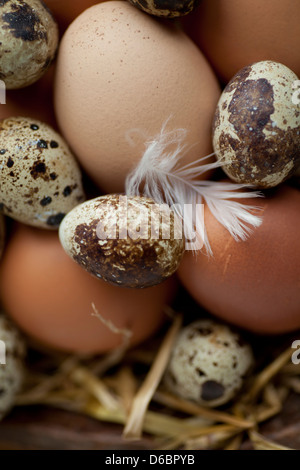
[[40, 428]]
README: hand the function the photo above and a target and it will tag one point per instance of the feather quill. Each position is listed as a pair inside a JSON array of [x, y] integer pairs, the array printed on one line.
[[159, 176]]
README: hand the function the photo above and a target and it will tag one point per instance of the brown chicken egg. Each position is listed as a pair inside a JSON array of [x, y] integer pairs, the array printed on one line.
[[121, 74], [235, 33], [297, 175], [65, 11], [35, 101], [50, 298], [2, 234], [255, 284]]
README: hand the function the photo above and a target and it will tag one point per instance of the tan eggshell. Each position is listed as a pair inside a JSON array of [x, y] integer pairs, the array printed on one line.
[[12, 371], [235, 33], [208, 363], [120, 75], [50, 297], [2, 234], [127, 241], [65, 11], [256, 129], [36, 101], [40, 178], [253, 284], [297, 175], [28, 41]]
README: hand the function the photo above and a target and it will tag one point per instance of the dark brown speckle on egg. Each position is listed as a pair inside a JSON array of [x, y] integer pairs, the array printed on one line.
[[55, 220], [211, 390], [46, 201], [10, 162], [42, 144]]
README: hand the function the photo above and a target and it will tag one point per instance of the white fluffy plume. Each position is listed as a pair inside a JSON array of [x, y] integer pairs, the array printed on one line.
[[160, 177]]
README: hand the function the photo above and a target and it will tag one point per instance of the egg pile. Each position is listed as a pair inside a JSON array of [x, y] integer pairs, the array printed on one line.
[[88, 87]]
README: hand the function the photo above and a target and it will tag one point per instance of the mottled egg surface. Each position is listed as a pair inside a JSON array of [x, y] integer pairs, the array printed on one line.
[[40, 179], [12, 352], [166, 8], [122, 240], [208, 363], [2, 233], [28, 41], [256, 130]]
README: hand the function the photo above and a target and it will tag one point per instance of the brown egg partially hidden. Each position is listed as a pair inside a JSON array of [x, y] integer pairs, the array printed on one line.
[[236, 33], [36, 101], [65, 11], [50, 297], [253, 284], [2, 234]]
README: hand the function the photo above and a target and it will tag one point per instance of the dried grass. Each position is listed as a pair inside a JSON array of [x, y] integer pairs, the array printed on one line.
[[139, 403]]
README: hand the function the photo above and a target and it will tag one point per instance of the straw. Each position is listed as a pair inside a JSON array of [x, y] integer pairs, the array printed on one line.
[[133, 428]]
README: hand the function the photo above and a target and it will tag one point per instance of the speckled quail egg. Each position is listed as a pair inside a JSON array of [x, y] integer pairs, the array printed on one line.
[[28, 41], [127, 241], [208, 363], [2, 233], [40, 180], [167, 8], [12, 352], [256, 129]]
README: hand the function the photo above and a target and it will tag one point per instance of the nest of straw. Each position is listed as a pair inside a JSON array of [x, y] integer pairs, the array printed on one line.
[[125, 387]]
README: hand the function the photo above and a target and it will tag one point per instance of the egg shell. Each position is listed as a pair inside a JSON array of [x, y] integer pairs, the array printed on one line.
[[28, 41], [166, 8], [254, 284], [36, 101], [297, 175], [40, 178], [12, 370], [66, 11], [50, 297], [2, 234], [208, 364], [235, 33], [256, 129], [127, 241], [121, 74]]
